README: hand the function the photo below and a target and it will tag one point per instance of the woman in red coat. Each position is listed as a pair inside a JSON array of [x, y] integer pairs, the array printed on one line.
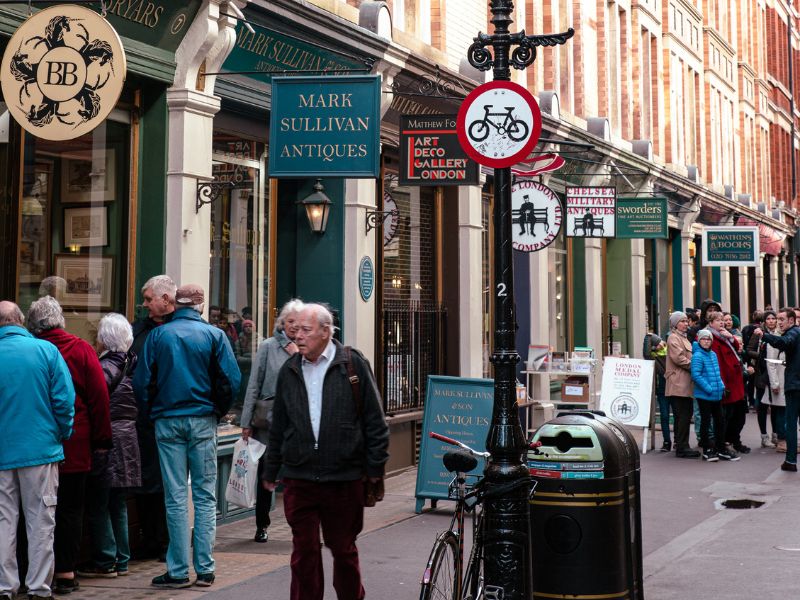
[[91, 435], [734, 405]]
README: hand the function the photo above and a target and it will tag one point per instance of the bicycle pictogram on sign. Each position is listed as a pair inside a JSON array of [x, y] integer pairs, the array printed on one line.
[[504, 122]]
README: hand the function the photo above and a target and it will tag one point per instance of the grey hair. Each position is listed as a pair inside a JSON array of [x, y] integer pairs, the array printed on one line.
[[115, 333], [10, 314], [53, 285], [323, 315], [295, 305], [161, 285], [45, 314], [198, 307]]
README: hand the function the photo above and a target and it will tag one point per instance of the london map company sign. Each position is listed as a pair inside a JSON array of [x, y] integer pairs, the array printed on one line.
[[730, 246], [325, 126], [430, 153], [62, 72]]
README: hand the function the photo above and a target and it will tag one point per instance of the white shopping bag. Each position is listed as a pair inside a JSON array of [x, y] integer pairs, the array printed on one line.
[[241, 488]]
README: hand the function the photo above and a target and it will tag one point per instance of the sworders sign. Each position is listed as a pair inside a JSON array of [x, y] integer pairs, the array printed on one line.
[[536, 216], [642, 218], [62, 72], [730, 246], [430, 153]]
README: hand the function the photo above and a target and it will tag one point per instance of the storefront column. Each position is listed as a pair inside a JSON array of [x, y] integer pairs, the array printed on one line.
[[539, 315], [687, 268], [760, 282], [725, 287], [359, 316], [744, 297], [594, 285], [470, 309], [637, 317], [774, 281]]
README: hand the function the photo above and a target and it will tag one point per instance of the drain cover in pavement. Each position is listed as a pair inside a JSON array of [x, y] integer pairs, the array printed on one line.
[[743, 503]]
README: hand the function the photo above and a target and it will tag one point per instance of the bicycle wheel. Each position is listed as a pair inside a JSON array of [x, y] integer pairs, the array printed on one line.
[[478, 131], [439, 579], [517, 130]]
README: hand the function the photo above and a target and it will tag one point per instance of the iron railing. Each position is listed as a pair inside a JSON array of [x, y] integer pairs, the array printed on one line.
[[413, 348]]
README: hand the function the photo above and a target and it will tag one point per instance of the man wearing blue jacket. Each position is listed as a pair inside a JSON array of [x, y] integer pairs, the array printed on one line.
[[186, 380], [37, 406]]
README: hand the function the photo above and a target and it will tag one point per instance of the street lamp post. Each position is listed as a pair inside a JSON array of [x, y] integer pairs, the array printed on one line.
[[506, 557]]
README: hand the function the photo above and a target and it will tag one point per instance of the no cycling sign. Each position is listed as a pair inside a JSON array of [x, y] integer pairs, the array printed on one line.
[[499, 124]]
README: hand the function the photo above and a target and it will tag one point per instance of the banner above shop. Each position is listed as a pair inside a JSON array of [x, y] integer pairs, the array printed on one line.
[[325, 126], [430, 153], [159, 23], [62, 72], [591, 211], [642, 218], [770, 241], [730, 246], [536, 216]]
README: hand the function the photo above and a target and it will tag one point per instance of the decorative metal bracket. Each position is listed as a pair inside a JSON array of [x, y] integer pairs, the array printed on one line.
[[523, 55], [431, 86], [210, 191], [375, 218]]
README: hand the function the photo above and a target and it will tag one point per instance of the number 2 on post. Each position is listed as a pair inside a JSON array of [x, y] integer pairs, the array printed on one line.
[[501, 290]]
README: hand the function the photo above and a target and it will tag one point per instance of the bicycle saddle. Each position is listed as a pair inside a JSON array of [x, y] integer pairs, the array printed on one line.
[[457, 461]]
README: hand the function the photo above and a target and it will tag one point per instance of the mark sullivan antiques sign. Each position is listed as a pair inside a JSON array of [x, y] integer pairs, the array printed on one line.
[[430, 153], [642, 218], [591, 211], [62, 72], [730, 246], [325, 126], [536, 216]]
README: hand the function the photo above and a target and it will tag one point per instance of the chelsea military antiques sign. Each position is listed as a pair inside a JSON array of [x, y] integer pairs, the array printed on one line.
[[498, 124], [536, 216], [62, 72]]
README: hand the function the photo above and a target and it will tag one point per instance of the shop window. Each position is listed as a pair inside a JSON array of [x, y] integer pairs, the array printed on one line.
[[74, 225], [238, 280], [557, 296]]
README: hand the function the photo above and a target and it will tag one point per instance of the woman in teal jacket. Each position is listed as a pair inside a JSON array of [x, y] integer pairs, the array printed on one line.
[[708, 391]]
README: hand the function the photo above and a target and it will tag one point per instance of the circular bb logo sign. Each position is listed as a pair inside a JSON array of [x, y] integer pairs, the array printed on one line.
[[536, 216], [62, 72], [499, 124]]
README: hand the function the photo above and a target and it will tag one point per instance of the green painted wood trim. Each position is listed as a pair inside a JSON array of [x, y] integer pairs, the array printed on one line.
[[579, 305], [716, 282], [677, 281], [152, 182], [243, 93]]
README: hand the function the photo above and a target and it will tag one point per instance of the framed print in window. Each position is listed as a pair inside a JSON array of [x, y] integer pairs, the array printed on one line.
[[90, 280], [86, 226], [88, 178]]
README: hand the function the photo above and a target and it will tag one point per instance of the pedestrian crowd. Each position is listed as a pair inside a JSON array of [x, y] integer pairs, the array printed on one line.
[[86, 429], [712, 371]]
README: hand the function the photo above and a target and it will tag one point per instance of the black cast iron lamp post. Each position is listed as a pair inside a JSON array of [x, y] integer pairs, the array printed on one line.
[[506, 558]]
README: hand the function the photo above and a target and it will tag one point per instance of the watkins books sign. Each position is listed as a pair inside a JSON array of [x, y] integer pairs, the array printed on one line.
[[591, 212], [536, 216], [430, 153]]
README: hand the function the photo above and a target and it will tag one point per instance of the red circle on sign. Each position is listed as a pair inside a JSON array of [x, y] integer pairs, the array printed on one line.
[[503, 121]]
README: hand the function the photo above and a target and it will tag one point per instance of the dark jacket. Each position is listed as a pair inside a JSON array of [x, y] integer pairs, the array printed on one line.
[[347, 447], [789, 342], [124, 463], [92, 427], [730, 367]]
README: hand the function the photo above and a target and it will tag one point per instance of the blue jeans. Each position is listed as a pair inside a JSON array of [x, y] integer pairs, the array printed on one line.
[[792, 408], [187, 446], [107, 515]]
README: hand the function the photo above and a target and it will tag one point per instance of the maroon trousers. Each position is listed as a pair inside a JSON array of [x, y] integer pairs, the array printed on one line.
[[338, 507]]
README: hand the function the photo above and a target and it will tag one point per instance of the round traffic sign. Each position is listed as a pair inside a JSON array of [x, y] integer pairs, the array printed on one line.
[[499, 123]]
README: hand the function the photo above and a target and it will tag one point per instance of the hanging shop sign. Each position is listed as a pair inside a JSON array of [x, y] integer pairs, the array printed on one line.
[[627, 390], [591, 212], [770, 241], [430, 153], [498, 124], [642, 218], [366, 278], [730, 246], [392, 221], [62, 72], [325, 126], [158, 23], [536, 216]]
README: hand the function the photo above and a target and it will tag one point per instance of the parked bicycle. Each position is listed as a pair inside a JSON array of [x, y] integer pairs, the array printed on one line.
[[445, 577], [504, 122]]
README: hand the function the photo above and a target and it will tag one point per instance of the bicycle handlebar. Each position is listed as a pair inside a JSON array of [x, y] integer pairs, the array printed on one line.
[[454, 442]]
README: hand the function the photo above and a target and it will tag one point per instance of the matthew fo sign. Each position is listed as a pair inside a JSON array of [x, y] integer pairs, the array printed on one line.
[[730, 246], [642, 218], [325, 126], [536, 216], [430, 153], [62, 72]]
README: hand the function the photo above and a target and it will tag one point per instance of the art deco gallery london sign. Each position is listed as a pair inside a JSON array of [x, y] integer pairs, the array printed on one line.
[[62, 72]]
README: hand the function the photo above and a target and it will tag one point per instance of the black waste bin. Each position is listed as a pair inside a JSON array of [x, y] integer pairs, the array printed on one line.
[[586, 535]]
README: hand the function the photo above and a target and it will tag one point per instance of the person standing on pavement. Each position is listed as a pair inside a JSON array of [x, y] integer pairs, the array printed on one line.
[[655, 349], [708, 390], [90, 442], [328, 442], [187, 378], [734, 405], [789, 343], [770, 398], [678, 387], [37, 408], [261, 387], [106, 504], [158, 297]]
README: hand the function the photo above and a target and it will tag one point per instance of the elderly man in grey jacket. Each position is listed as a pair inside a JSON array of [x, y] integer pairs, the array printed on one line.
[[260, 396]]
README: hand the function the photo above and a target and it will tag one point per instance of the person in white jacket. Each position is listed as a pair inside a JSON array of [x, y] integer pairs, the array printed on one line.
[[775, 397]]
